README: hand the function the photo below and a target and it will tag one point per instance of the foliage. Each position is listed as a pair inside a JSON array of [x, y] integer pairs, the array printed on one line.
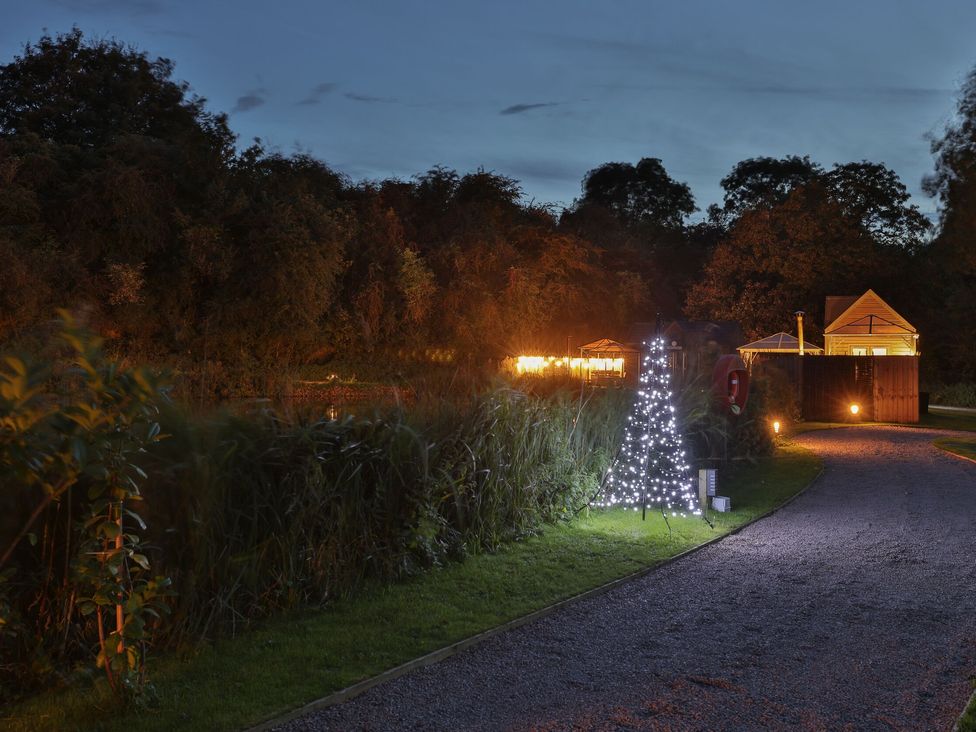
[[251, 514], [869, 194], [81, 428], [639, 194], [786, 258], [952, 263], [301, 656], [962, 394]]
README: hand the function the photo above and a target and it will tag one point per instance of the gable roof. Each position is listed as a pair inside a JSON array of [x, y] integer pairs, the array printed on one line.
[[868, 314], [780, 343]]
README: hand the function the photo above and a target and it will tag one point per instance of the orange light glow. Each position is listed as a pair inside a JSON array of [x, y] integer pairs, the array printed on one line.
[[776, 426], [855, 408], [557, 365]]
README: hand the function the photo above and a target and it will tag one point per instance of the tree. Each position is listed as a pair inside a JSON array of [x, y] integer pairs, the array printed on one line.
[[89, 93], [763, 183], [786, 258], [652, 468], [872, 195], [642, 194], [952, 259]]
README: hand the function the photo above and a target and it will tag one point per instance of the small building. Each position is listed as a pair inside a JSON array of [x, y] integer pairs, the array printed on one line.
[[778, 344], [866, 326], [607, 362]]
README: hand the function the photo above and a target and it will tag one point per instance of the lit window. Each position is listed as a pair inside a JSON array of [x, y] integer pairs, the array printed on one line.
[[855, 351], [879, 351]]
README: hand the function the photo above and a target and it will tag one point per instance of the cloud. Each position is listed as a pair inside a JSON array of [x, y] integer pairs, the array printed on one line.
[[368, 99], [520, 108], [129, 7], [549, 169], [321, 90], [251, 100]]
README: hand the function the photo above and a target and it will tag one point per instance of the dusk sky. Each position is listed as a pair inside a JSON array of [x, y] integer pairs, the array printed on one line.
[[544, 91]]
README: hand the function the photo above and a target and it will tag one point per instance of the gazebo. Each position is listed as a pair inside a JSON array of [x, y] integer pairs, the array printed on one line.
[[778, 343], [606, 361]]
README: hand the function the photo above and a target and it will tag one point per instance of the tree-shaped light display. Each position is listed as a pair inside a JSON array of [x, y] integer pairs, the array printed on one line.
[[652, 469]]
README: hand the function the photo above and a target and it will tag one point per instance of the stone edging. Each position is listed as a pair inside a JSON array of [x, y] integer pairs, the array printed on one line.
[[433, 657]]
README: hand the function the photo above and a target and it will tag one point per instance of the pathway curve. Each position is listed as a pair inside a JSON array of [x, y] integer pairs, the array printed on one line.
[[850, 609]]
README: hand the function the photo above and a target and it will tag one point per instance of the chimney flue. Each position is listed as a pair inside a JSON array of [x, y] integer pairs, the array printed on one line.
[[799, 329]]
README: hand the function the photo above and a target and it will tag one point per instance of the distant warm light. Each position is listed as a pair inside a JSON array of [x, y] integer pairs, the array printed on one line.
[[558, 365], [855, 409], [776, 426]]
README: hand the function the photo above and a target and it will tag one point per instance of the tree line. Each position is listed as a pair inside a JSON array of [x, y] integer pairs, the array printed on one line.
[[123, 197]]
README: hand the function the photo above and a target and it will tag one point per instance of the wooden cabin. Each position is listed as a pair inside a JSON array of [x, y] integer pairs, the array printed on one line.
[[866, 326]]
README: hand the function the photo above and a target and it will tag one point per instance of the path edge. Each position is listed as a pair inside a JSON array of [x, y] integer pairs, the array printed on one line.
[[360, 687]]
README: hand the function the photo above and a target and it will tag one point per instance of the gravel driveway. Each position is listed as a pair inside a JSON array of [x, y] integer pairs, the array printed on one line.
[[850, 609]]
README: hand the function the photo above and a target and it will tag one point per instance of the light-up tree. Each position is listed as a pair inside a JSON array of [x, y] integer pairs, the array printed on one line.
[[652, 468]]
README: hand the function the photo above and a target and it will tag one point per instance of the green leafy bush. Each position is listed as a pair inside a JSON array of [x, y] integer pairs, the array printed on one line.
[[954, 395]]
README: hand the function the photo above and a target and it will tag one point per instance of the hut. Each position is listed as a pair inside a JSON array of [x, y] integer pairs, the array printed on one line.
[[866, 326]]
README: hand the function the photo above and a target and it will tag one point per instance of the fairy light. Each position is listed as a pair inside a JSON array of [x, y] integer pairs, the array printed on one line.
[[653, 468]]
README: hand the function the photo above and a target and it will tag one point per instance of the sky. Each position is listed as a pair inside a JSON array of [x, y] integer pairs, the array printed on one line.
[[545, 91]]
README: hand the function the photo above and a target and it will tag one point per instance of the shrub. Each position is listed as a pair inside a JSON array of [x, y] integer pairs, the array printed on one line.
[[249, 514], [955, 395]]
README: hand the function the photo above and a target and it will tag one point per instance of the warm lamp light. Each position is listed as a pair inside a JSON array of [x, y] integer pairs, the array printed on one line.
[[776, 426], [855, 408]]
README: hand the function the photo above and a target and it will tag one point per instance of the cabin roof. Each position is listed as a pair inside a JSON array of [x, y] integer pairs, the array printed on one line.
[[868, 314]]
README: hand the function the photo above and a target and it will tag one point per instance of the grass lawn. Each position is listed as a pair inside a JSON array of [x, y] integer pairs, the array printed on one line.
[[959, 446], [967, 722], [941, 420], [949, 420], [295, 659]]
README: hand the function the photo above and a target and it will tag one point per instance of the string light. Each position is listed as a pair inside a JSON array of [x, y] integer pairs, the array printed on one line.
[[653, 468]]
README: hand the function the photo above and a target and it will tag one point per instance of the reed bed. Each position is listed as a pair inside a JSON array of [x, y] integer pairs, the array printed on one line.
[[253, 514]]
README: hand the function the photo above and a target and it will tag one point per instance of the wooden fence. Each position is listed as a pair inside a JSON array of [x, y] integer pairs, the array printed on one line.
[[885, 388]]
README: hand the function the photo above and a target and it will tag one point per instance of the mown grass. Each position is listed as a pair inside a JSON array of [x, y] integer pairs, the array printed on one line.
[[967, 722], [299, 657], [949, 420], [935, 420], [958, 446]]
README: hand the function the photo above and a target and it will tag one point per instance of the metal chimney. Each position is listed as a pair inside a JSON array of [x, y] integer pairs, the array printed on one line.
[[799, 329]]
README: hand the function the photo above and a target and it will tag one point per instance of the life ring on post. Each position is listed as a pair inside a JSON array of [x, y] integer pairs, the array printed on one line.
[[730, 384]]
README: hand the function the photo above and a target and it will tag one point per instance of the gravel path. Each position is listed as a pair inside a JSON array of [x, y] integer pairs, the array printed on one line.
[[850, 609]]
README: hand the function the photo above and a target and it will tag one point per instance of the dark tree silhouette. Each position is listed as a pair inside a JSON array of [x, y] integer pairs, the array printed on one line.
[[639, 194]]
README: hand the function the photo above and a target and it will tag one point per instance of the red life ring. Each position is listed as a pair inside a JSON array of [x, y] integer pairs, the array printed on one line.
[[730, 384]]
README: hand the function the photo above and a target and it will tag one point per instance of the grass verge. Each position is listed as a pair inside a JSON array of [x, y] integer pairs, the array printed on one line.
[[967, 722], [959, 446], [935, 420], [297, 658]]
